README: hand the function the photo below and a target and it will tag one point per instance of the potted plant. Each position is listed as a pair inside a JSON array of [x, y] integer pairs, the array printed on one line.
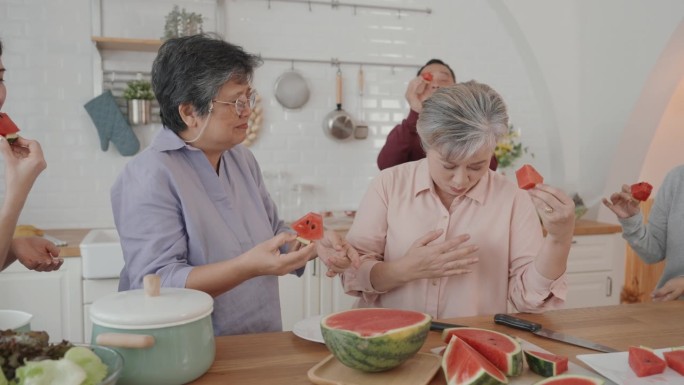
[[139, 96]]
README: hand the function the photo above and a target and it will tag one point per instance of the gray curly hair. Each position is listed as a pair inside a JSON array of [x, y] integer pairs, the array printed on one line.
[[459, 120]]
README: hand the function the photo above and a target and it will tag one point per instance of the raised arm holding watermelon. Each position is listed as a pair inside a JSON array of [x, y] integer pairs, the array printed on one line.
[[24, 161], [660, 239]]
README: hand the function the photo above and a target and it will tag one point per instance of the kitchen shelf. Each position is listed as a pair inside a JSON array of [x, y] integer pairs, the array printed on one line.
[[126, 44]]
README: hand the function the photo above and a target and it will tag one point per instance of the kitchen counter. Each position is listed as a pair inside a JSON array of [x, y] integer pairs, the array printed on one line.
[[268, 358], [72, 237], [582, 226]]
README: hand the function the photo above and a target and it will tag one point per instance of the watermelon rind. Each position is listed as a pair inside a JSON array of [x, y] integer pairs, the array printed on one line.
[[459, 357], [489, 344], [545, 364], [375, 353], [574, 379]]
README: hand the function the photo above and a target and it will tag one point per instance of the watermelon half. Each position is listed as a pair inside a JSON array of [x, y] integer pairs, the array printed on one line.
[[463, 365], [675, 360], [502, 350], [571, 379], [546, 364], [644, 362], [374, 340]]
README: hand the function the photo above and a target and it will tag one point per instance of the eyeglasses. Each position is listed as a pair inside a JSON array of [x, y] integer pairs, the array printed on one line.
[[242, 102]]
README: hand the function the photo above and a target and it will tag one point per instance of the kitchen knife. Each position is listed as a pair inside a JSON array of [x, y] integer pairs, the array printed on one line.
[[535, 328], [56, 241], [439, 326]]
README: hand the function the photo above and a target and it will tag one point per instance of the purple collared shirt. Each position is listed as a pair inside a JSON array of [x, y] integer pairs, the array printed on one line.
[[173, 212]]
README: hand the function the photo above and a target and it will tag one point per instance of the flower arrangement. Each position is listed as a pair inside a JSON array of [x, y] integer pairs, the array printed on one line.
[[509, 148], [138, 89]]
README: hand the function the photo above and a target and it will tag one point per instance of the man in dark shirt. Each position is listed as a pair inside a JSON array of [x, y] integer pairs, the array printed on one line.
[[403, 143]]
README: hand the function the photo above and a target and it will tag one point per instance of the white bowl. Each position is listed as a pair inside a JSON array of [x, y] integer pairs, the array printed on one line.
[[15, 320]]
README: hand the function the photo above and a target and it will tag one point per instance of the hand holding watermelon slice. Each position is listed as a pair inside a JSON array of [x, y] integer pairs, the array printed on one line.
[[623, 203]]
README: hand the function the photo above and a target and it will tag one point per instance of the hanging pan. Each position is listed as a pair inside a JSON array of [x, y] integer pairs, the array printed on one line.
[[291, 89], [338, 123]]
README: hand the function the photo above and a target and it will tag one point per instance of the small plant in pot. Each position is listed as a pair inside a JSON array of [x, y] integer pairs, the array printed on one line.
[[139, 96]]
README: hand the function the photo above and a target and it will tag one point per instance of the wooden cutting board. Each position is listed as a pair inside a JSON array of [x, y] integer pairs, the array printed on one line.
[[418, 370]]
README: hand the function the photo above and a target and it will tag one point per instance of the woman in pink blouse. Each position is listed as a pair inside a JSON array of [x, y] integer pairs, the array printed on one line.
[[447, 236]]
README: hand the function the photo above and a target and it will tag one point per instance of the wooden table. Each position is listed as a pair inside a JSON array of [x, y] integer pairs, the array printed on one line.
[[283, 358]]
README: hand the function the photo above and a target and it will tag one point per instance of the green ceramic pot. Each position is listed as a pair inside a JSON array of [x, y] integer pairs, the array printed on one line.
[[165, 339], [16, 320]]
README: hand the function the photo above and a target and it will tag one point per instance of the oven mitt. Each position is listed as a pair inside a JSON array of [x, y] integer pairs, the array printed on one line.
[[111, 124]]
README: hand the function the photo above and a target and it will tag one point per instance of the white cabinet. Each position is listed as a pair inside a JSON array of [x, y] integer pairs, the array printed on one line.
[[595, 270], [54, 298], [311, 294], [94, 289]]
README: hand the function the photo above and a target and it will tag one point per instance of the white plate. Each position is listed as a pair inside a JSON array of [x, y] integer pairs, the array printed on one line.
[[309, 329], [615, 367]]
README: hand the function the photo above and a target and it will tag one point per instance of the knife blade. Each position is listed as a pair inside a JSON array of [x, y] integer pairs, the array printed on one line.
[[440, 326], [537, 329], [58, 242]]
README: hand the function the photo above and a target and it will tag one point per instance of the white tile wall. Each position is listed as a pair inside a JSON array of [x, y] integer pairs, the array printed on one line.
[[50, 58]]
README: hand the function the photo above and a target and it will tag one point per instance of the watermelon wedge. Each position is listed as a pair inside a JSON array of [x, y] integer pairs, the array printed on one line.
[[546, 364], [375, 339], [641, 191], [644, 362], [571, 379], [502, 350], [309, 227], [7, 128], [463, 365], [675, 360], [528, 177]]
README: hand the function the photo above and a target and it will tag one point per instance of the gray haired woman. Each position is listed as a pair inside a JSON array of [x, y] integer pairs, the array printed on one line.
[[448, 236], [193, 208]]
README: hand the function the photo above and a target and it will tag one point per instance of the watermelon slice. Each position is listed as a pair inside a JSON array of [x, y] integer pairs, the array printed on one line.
[[427, 76], [375, 339], [309, 227], [528, 177], [641, 191], [502, 350], [571, 379], [463, 365], [546, 364], [7, 128], [644, 362], [675, 360]]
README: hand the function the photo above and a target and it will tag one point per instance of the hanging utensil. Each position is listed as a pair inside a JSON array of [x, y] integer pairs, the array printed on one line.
[[291, 89], [338, 123], [361, 129]]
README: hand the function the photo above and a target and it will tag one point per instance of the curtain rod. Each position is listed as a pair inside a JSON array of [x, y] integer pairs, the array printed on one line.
[[337, 3], [336, 62]]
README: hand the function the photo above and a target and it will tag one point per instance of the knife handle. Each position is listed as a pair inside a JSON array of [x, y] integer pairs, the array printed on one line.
[[440, 326], [515, 322]]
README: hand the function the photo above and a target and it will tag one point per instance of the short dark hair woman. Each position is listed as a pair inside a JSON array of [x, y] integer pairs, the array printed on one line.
[[193, 208]]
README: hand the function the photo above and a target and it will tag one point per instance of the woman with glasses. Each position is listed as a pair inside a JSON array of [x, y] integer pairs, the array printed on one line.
[[193, 207]]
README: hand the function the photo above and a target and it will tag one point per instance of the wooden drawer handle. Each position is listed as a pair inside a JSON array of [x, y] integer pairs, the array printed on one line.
[[123, 340]]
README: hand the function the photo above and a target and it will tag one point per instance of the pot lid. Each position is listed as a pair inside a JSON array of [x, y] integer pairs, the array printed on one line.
[[142, 309]]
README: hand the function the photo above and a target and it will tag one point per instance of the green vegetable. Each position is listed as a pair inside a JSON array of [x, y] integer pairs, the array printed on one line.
[[138, 89], [95, 370], [49, 372]]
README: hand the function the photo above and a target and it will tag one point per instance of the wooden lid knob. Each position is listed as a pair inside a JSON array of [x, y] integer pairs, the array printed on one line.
[[151, 285]]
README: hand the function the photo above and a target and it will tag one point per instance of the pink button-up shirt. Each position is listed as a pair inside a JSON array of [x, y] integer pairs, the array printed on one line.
[[401, 206]]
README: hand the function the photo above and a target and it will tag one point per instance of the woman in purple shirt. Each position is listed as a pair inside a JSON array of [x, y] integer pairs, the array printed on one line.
[[193, 207]]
